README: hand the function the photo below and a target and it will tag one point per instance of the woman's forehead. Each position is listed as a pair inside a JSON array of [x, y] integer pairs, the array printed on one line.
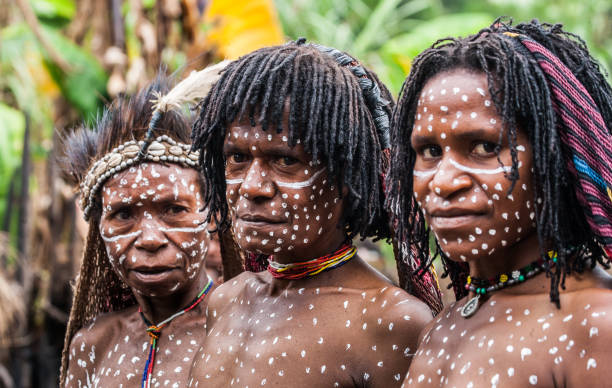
[[247, 137], [153, 177], [453, 82]]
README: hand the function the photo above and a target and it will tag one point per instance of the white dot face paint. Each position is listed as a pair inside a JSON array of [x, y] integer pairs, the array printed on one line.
[[458, 174], [273, 188], [163, 235]]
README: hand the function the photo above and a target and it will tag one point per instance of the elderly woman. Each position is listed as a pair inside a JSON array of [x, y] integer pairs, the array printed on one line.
[[139, 309]]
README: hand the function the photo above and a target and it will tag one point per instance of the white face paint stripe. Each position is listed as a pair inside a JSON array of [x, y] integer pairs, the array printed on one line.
[[121, 236], [300, 185], [291, 185], [479, 170], [186, 229], [425, 173]]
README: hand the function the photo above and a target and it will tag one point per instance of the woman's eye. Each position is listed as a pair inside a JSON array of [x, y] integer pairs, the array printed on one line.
[[287, 161], [432, 151], [237, 157], [122, 214], [485, 148], [176, 209]]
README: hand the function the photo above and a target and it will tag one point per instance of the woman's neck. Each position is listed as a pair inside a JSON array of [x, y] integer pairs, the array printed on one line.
[[158, 308], [507, 260]]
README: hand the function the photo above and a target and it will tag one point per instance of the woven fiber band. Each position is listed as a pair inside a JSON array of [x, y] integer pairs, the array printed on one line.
[[162, 149]]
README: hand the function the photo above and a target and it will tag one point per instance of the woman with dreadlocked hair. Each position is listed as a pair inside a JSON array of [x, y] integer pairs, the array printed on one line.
[[293, 141], [141, 286], [503, 149]]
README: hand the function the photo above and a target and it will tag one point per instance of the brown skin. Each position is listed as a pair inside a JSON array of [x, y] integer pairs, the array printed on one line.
[[346, 327], [156, 239], [517, 338]]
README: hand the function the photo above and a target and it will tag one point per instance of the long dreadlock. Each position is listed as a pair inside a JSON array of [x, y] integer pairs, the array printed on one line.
[[334, 108], [524, 99], [98, 289]]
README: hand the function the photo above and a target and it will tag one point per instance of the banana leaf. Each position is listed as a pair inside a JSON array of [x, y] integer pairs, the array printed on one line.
[[399, 52]]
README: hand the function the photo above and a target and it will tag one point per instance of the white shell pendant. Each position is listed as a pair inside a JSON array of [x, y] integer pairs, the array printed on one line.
[[470, 307]]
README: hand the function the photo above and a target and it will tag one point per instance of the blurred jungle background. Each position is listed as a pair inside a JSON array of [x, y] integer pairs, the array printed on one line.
[[61, 61]]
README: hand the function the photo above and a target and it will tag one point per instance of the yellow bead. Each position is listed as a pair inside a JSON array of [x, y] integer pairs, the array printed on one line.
[[469, 280], [503, 278]]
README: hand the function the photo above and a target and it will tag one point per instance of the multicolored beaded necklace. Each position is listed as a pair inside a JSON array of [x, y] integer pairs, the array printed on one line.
[[293, 271], [484, 286], [154, 332]]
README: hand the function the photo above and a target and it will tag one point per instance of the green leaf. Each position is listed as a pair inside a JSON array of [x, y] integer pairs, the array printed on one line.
[[375, 23], [426, 33], [12, 127], [85, 85], [54, 9], [399, 51]]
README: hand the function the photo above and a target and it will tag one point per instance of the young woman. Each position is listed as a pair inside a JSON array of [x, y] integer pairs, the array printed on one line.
[[503, 151], [294, 139]]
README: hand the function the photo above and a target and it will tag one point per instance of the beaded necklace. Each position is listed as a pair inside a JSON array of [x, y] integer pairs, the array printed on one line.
[[154, 332], [313, 267], [484, 286]]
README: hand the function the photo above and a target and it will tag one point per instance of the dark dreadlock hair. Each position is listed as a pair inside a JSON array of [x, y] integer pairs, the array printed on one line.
[[523, 98], [327, 113], [98, 289]]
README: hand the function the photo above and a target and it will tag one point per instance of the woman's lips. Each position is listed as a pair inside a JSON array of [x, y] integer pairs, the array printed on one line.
[[453, 222], [152, 275], [258, 221], [440, 219]]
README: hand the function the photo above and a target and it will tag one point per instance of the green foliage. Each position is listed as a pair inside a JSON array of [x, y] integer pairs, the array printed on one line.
[[398, 53], [357, 26], [31, 83], [54, 12], [588, 18], [85, 85], [384, 34], [12, 127], [387, 34], [18, 53]]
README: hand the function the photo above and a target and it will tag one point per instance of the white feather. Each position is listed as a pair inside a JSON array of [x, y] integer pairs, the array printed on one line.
[[192, 89]]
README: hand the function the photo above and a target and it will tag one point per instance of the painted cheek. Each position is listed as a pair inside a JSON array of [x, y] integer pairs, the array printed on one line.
[[305, 206], [514, 215], [118, 245]]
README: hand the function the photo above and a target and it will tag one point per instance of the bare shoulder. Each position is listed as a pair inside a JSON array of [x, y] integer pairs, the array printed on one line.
[[590, 310], [407, 308], [231, 289], [389, 327], [394, 313], [93, 338], [448, 314], [590, 313], [101, 328]]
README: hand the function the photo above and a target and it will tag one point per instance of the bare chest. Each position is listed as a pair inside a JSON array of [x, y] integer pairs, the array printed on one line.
[[291, 341], [502, 347], [120, 361]]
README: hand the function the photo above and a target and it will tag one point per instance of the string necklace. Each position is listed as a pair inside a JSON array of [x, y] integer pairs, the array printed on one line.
[[293, 271], [483, 287], [154, 332]]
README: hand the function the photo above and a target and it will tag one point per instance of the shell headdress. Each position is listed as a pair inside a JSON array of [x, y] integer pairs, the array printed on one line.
[[161, 149]]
